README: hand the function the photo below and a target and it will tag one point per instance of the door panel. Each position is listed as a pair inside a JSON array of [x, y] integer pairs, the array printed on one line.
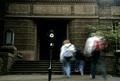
[[60, 30]]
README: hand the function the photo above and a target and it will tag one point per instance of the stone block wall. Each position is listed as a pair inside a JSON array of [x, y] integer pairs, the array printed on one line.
[[52, 9], [25, 36], [78, 32], [41, 8], [19, 8]]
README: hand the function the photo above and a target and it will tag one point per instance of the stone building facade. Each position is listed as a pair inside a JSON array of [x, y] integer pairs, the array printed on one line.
[[31, 21]]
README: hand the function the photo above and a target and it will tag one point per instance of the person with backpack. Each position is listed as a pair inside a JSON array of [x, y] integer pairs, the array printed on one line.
[[93, 48], [66, 53], [79, 61]]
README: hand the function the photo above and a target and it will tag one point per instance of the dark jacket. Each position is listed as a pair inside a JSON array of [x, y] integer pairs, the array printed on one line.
[[79, 55]]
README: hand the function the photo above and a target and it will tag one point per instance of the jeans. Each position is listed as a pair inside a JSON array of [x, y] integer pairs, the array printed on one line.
[[102, 67], [93, 69], [80, 66], [95, 58], [67, 67]]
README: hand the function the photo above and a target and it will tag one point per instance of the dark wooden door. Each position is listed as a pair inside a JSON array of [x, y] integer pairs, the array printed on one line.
[[60, 30]]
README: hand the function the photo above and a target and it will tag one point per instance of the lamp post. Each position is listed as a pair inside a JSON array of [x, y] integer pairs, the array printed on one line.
[[51, 36]]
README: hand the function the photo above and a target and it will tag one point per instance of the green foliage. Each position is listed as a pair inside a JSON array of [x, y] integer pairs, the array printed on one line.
[[106, 31]]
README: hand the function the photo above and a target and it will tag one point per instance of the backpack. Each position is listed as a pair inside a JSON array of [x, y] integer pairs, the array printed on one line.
[[92, 44], [68, 53], [79, 55], [97, 45]]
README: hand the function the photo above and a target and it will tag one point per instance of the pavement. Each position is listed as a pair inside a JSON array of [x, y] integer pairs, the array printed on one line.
[[55, 77]]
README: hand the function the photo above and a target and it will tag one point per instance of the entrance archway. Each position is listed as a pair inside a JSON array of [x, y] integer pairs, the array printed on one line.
[[60, 30]]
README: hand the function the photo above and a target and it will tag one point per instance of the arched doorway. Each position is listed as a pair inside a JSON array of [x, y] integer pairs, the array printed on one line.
[[60, 30]]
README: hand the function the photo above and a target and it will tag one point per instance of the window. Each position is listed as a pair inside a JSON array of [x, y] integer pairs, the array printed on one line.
[[9, 37]]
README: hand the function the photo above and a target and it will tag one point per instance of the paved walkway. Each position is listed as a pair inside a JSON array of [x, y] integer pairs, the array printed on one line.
[[44, 77]]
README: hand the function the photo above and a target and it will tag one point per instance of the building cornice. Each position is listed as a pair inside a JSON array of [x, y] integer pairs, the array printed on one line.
[[64, 1], [64, 17], [61, 17]]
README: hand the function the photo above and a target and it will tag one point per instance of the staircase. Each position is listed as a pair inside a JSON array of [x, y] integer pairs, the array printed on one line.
[[35, 67], [27, 67]]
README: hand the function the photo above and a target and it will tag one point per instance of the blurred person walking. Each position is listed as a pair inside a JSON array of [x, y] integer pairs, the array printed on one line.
[[79, 61], [93, 47], [66, 53]]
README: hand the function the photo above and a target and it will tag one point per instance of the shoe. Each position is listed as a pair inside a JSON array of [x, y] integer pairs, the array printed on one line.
[[104, 77], [76, 70], [68, 76], [92, 77], [82, 74]]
